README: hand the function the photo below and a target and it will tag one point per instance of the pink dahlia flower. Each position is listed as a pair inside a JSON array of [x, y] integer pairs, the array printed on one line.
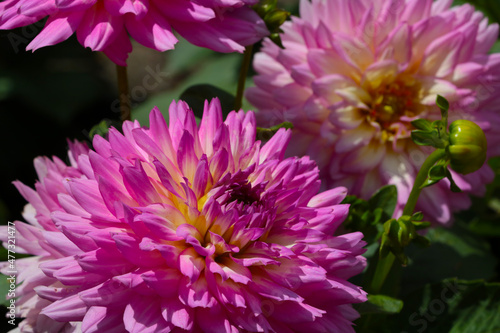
[[105, 25], [175, 228], [355, 73]]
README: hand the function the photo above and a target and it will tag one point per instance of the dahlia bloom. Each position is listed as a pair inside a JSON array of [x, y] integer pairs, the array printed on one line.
[[175, 228], [352, 85], [223, 26]]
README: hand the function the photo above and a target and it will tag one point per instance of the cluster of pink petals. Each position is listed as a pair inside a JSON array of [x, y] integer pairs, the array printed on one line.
[[105, 25], [355, 73], [179, 228]]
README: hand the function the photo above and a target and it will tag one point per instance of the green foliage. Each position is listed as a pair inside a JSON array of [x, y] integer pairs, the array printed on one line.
[[196, 95], [453, 252], [452, 305], [368, 216], [103, 127], [273, 17], [491, 8], [264, 134], [4, 290], [398, 234], [380, 304], [191, 66], [432, 134], [438, 172]]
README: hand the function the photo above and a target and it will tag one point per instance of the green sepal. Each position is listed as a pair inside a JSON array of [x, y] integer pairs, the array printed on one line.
[[417, 216], [422, 241], [422, 124], [275, 18], [421, 225], [400, 255], [453, 186], [276, 39], [428, 138], [436, 173], [399, 233], [265, 6], [385, 246]]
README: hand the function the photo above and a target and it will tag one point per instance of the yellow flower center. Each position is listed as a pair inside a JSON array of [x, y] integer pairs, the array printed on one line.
[[392, 100]]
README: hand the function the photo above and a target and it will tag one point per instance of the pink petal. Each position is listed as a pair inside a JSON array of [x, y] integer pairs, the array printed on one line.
[[153, 31], [98, 29]]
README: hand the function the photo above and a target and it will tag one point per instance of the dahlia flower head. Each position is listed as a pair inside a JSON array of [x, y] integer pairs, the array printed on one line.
[[105, 25], [173, 228], [352, 85]]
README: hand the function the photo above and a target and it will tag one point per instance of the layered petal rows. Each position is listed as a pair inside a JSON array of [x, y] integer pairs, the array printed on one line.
[[105, 25], [176, 228], [352, 85]]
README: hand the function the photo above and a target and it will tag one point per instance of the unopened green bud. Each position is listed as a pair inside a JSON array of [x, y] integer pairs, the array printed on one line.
[[275, 18], [264, 7], [399, 233], [467, 149]]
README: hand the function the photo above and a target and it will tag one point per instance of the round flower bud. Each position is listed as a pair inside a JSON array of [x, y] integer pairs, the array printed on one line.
[[467, 149]]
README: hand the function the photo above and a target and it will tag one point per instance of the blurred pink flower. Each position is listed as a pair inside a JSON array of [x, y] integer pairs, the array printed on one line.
[[176, 228], [223, 26], [354, 73]]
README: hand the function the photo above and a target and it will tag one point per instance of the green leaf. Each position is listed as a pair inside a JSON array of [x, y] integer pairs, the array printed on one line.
[[485, 227], [454, 306], [361, 218], [453, 252], [196, 96], [380, 304], [4, 290], [385, 198]]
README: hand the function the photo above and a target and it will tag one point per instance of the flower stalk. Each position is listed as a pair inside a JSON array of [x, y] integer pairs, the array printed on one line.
[[463, 148], [247, 59], [123, 91], [385, 263]]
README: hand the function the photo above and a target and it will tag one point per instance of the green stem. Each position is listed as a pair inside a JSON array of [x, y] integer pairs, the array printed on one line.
[[384, 265], [420, 179], [124, 96], [247, 58]]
